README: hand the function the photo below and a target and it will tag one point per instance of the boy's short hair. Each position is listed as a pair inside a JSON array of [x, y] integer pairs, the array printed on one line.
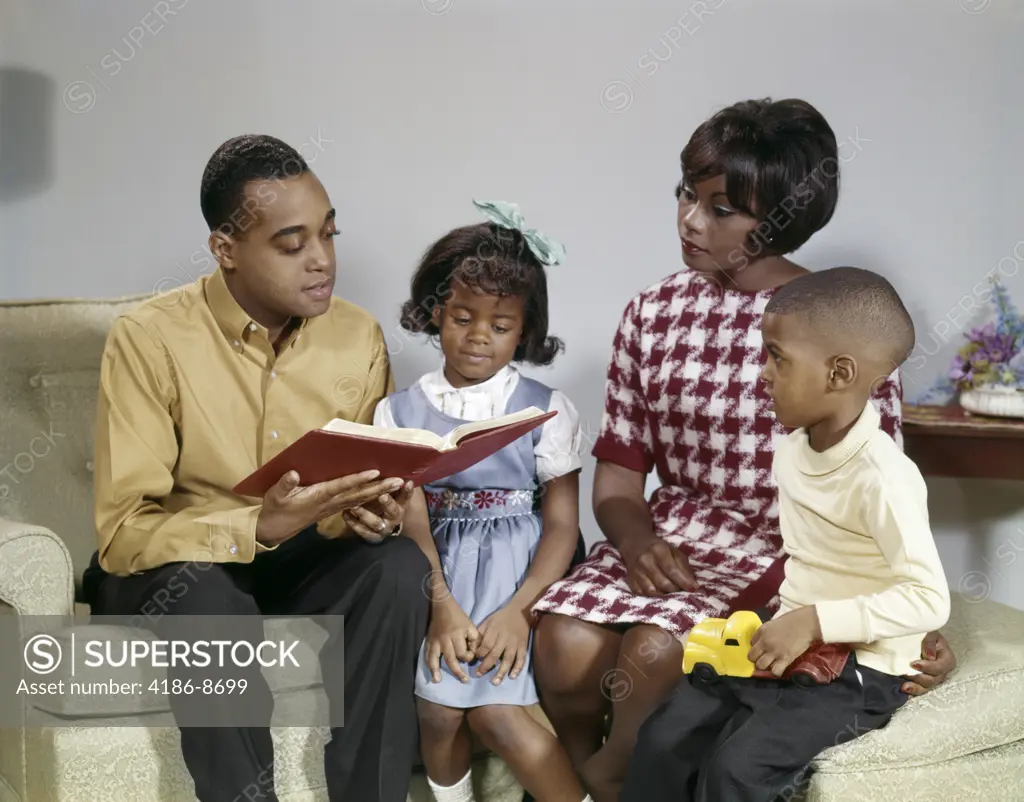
[[781, 166], [250, 157], [851, 306]]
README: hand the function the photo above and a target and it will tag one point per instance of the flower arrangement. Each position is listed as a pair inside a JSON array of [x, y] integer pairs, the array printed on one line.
[[992, 359], [989, 357]]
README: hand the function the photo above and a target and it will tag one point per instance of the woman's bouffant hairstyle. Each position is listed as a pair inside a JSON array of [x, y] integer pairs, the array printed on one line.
[[495, 260], [781, 166]]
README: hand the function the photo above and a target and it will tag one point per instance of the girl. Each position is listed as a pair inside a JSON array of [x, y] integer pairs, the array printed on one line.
[[499, 533], [683, 397]]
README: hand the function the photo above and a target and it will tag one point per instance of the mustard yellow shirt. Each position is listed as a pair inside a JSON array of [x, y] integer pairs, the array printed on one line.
[[854, 522], [193, 398]]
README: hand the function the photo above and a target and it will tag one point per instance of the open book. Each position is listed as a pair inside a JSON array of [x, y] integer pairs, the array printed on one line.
[[340, 448]]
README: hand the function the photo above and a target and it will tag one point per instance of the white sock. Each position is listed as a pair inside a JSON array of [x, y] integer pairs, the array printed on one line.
[[462, 791], [587, 798]]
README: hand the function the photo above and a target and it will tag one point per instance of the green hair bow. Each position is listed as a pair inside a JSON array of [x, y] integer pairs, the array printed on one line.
[[507, 215]]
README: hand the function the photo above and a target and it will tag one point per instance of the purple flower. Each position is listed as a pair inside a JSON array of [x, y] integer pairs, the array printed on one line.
[[993, 351]]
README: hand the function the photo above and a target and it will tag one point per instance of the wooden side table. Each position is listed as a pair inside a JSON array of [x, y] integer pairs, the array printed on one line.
[[952, 442]]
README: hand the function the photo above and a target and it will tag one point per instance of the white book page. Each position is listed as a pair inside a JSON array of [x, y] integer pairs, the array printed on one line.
[[419, 436], [459, 432]]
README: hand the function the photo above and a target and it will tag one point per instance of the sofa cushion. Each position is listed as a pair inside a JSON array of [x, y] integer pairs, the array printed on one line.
[[50, 354], [133, 764], [994, 775], [980, 706]]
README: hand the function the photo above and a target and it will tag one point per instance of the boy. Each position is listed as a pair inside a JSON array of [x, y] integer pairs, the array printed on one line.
[[862, 566]]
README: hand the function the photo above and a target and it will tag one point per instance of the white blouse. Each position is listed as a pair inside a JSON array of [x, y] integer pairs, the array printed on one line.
[[558, 449]]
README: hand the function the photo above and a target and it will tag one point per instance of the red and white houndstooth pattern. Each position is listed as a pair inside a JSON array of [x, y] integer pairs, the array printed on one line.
[[683, 396]]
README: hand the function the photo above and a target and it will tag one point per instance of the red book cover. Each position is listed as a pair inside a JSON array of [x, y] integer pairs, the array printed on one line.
[[321, 455]]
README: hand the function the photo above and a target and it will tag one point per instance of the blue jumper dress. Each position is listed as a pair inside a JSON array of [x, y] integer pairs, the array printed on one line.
[[486, 523]]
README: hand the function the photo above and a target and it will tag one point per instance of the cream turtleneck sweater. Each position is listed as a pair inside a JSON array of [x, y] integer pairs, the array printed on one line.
[[854, 522]]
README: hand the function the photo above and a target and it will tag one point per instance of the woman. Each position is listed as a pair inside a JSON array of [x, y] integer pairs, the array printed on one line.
[[683, 397]]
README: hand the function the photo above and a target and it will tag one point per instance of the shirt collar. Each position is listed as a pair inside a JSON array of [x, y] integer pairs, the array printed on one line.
[[234, 321], [819, 463], [437, 383]]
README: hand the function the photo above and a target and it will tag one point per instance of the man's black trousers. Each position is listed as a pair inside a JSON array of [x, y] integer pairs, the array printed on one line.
[[378, 589]]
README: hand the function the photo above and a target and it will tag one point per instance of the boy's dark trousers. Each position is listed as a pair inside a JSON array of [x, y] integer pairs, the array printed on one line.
[[377, 589], [752, 740]]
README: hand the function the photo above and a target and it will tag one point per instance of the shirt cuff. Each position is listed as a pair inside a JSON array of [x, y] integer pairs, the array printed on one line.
[[842, 621], [232, 534], [624, 456]]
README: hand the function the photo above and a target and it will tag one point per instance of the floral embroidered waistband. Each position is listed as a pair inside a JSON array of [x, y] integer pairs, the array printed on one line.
[[448, 503]]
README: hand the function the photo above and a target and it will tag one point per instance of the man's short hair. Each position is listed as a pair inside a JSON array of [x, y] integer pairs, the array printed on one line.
[[852, 307], [250, 157]]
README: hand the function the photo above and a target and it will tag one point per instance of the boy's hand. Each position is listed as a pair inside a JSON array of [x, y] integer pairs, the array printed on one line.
[[506, 635], [777, 643], [453, 635], [937, 660]]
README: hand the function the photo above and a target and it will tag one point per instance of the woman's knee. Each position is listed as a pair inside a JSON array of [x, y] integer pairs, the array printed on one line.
[[568, 652], [647, 674], [651, 667], [654, 652]]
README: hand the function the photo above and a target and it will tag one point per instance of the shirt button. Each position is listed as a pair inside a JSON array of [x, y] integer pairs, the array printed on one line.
[[233, 549], [274, 434], [237, 343], [252, 327], [273, 374]]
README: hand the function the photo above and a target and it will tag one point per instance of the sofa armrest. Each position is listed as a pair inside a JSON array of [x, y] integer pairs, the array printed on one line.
[[36, 572]]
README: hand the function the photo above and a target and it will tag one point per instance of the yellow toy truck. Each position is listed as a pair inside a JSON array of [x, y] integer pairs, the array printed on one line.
[[718, 647]]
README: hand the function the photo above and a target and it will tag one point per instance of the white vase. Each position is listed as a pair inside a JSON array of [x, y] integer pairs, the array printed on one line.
[[994, 399]]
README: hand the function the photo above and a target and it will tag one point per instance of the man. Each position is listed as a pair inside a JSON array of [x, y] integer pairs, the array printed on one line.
[[198, 388]]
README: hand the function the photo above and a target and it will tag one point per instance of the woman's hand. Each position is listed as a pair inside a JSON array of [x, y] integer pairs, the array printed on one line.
[[505, 637], [452, 635], [937, 661], [655, 567]]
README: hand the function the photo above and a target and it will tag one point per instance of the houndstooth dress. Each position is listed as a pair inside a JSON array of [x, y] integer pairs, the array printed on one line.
[[683, 397]]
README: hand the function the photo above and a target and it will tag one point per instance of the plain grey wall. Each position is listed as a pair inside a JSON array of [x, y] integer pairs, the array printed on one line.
[[575, 110]]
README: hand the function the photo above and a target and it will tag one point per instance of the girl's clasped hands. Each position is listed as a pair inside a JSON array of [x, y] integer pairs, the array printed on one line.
[[501, 640]]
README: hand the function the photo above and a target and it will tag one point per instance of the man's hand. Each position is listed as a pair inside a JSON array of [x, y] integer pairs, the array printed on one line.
[[377, 520], [289, 508], [777, 643], [452, 635], [936, 663], [505, 636], [656, 568]]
